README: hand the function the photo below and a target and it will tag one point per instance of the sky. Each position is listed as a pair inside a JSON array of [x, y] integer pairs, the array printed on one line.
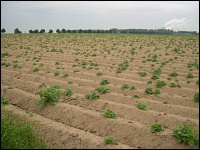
[[32, 15]]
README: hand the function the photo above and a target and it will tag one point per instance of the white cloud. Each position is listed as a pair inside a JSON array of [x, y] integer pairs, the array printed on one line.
[[177, 24]]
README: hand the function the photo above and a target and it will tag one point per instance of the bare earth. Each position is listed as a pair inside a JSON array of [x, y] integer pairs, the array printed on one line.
[[76, 122]]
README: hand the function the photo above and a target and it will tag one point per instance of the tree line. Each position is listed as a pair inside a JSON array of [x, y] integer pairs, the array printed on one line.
[[113, 30]]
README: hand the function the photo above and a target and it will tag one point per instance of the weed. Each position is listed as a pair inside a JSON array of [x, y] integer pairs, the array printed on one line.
[[132, 88], [149, 82], [92, 96], [190, 76], [196, 97], [173, 74], [50, 95], [136, 96], [65, 75], [103, 90], [109, 114], [160, 84], [56, 73], [124, 86], [157, 91], [68, 92], [4, 101], [149, 90], [155, 76], [99, 73], [109, 140], [157, 128], [186, 134], [104, 82], [57, 63], [172, 85], [35, 69], [143, 106], [41, 85], [165, 102], [142, 74], [70, 82]]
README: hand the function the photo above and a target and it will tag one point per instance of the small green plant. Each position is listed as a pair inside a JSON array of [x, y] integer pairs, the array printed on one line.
[[165, 102], [173, 74], [190, 76], [65, 75], [149, 82], [84, 62], [124, 86], [155, 76], [173, 85], [149, 90], [35, 69], [76, 70], [70, 82], [99, 73], [186, 134], [132, 88], [57, 63], [109, 140], [196, 97], [103, 90], [109, 114], [143, 106], [56, 73], [157, 91], [92, 96], [142, 74], [104, 82], [4, 101], [50, 95], [160, 84], [41, 85], [157, 128], [68, 92], [136, 96]]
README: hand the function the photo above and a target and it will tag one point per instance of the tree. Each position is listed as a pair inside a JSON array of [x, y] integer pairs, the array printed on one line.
[[42, 31], [63, 31], [69, 31], [73, 31], [30, 31], [16, 31], [36, 31], [80, 31], [58, 31], [50, 31], [3, 30]]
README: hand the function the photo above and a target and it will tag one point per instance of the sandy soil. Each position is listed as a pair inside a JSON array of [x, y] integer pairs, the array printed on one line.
[[75, 122]]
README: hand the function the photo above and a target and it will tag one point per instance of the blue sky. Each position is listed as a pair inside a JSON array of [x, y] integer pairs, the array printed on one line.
[[26, 15]]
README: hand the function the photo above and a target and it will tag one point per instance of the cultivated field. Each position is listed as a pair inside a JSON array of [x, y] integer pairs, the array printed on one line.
[[121, 69]]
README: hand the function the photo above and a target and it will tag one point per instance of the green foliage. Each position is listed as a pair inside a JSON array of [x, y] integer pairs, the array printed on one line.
[[6, 64], [173, 74], [190, 76], [4, 101], [143, 106], [149, 82], [92, 96], [35, 69], [84, 62], [132, 88], [57, 63], [50, 95], [157, 71], [110, 140], [18, 133], [157, 91], [65, 75], [155, 76], [124, 86], [68, 92], [159, 84], [104, 82], [186, 134], [196, 97], [142, 74], [99, 73], [122, 66], [149, 90], [165, 102], [157, 128], [133, 51], [5, 54], [109, 114], [136, 96], [42, 85], [195, 64], [56, 73], [103, 90]]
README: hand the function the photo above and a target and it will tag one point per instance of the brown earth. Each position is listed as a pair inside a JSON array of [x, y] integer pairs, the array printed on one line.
[[75, 122]]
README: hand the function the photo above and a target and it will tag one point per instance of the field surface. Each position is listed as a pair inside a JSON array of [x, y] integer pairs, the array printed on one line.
[[82, 63]]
